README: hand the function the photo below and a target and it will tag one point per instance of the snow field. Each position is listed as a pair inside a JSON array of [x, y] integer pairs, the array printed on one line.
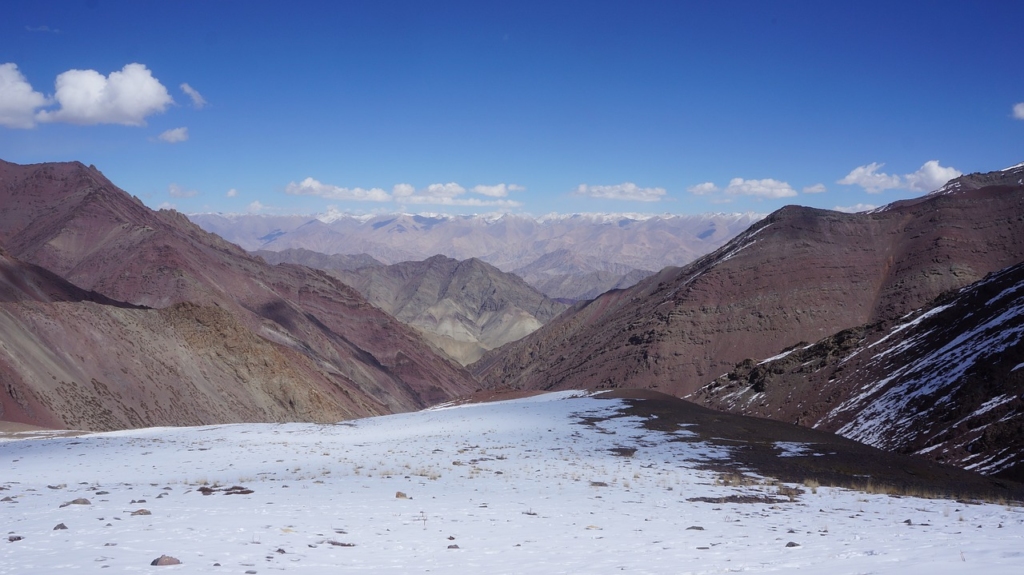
[[523, 486]]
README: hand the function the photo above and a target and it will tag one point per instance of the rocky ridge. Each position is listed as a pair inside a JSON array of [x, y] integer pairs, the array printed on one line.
[[944, 382]]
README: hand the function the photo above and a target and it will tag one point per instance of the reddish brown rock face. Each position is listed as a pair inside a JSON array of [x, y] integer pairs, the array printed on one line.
[[944, 382], [799, 275], [228, 338]]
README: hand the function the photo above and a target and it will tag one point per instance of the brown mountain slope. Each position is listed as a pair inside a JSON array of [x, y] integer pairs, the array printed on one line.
[[73, 358], [798, 275], [463, 307], [74, 222], [945, 382]]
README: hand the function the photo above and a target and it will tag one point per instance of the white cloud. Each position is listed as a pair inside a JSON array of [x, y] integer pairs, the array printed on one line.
[[446, 195], [232, 193], [198, 101], [86, 97], [255, 207], [868, 178], [855, 208], [498, 191], [624, 191], [449, 190], [1018, 111], [403, 190], [449, 194], [311, 187], [930, 176], [766, 188], [175, 135], [815, 189], [176, 191], [18, 101], [703, 189]]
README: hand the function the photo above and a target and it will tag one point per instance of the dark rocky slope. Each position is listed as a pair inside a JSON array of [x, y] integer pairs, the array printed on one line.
[[945, 382]]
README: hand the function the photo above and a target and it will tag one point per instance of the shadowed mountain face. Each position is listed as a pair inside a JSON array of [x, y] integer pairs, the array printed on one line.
[[253, 324], [464, 308], [800, 274], [571, 257], [945, 382]]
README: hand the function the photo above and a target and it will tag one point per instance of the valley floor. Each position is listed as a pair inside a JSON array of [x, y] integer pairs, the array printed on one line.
[[547, 484]]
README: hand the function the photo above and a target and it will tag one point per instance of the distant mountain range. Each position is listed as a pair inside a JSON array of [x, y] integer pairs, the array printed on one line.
[[800, 274], [571, 257], [114, 316], [464, 308]]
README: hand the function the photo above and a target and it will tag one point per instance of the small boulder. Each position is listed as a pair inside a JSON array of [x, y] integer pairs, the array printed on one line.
[[792, 544], [400, 495], [79, 501], [165, 560], [60, 526], [141, 512]]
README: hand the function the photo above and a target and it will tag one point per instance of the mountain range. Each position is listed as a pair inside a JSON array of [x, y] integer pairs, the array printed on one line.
[[120, 316], [564, 256], [463, 307], [801, 274], [113, 315]]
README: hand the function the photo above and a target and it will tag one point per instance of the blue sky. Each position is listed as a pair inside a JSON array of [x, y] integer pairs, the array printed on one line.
[[534, 107]]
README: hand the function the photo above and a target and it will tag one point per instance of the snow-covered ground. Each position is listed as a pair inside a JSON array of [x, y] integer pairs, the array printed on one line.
[[520, 486]]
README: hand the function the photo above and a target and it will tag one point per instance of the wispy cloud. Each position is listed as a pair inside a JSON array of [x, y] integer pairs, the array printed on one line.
[[43, 28], [498, 190], [624, 191], [855, 208], [176, 191], [232, 193], [175, 135], [815, 189], [1018, 111], [930, 176], [452, 194], [311, 187], [197, 99], [766, 188], [704, 189], [441, 194]]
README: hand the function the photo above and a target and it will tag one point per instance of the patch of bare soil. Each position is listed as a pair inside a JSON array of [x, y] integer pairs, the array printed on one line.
[[826, 459]]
